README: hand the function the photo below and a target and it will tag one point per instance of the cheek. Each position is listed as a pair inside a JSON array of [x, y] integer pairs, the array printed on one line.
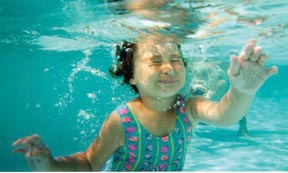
[[182, 74], [143, 75], [180, 70], [183, 78]]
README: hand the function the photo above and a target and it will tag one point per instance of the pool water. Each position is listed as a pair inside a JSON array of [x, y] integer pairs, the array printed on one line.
[[55, 55]]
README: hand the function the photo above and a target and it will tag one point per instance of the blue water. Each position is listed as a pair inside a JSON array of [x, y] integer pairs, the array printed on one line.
[[54, 58]]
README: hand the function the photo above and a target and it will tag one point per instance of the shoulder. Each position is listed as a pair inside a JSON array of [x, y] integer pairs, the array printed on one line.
[[112, 128], [110, 137]]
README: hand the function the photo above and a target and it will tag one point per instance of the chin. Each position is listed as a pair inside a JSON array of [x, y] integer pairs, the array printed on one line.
[[167, 92]]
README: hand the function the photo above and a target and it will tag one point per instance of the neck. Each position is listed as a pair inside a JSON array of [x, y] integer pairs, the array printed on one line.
[[160, 104]]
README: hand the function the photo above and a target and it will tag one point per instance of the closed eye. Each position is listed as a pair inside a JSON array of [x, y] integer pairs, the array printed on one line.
[[156, 62], [176, 60]]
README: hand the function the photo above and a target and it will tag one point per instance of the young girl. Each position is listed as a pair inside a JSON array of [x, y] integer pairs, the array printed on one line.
[[152, 131]]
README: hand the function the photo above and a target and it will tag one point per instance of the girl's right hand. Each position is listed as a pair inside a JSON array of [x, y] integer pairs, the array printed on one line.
[[35, 151]]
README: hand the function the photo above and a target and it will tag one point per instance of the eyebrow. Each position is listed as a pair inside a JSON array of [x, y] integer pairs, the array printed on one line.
[[154, 56]]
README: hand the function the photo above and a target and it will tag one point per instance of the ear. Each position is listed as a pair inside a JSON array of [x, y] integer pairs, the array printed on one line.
[[132, 81]]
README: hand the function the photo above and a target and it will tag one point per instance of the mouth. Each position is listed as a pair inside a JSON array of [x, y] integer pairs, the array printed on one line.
[[167, 82]]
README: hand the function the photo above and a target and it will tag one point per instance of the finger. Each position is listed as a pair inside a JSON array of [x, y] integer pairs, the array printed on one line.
[[32, 153], [29, 155], [262, 60], [248, 49], [23, 145], [234, 68], [19, 141], [272, 71], [25, 139], [256, 54], [33, 140], [37, 141], [29, 146], [20, 150]]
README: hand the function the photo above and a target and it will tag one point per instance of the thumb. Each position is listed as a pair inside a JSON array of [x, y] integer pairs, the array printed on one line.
[[271, 71], [234, 68]]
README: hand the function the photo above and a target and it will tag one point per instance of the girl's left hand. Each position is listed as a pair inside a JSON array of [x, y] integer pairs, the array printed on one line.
[[247, 72]]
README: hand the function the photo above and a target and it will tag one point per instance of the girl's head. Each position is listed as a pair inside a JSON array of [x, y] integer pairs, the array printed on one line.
[[153, 63]]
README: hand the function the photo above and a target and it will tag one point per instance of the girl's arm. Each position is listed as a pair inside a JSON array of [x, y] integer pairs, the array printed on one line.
[[39, 158], [111, 136], [246, 74], [230, 109]]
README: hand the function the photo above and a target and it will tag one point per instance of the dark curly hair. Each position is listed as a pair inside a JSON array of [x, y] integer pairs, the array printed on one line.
[[124, 62]]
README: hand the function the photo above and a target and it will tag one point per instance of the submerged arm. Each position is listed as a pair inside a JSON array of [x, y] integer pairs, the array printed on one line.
[[39, 157], [246, 74], [230, 109], [94, 158], [75, 162]]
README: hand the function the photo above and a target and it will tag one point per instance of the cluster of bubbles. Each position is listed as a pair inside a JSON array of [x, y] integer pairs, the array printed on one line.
[[208, 77]]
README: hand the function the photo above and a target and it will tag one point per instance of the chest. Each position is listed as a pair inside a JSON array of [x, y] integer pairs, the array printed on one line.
[[144, 151], [158, 125]]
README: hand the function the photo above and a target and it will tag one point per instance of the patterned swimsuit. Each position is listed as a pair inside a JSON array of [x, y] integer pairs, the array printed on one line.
[[143, 151]]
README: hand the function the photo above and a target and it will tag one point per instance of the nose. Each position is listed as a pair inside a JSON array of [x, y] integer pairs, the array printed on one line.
[[167, 68]]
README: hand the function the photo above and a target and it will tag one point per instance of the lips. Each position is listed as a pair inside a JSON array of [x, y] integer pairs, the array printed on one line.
[[167, 81]]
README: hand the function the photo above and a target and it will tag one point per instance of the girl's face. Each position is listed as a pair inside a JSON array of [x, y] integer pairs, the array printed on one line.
[[158, 70]]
